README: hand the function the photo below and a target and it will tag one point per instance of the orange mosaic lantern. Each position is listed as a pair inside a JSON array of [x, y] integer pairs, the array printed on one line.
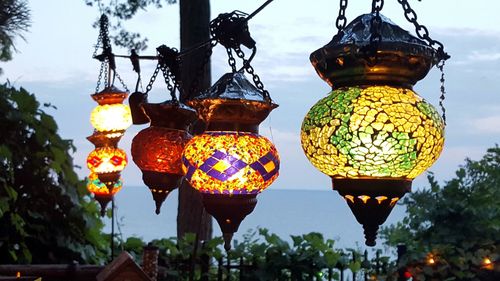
[[230, 163], [157, 150]]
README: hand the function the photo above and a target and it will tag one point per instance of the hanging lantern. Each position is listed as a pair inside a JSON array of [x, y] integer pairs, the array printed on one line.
[[157, 150], [372, 134], [230, 163], [111, 115], [101, 192]]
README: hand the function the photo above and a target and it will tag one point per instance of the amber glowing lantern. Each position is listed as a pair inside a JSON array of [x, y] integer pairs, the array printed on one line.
[[111, 115], [231, 163], [157, 150], [372, 134]]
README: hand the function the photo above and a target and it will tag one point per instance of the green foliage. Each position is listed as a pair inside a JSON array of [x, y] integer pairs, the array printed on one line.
[[265, 255], [46, 215], [14, 20], [125, 10], [458, 223]]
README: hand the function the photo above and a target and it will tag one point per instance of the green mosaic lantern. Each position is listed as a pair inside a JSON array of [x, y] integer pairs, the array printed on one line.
[[372, 134]]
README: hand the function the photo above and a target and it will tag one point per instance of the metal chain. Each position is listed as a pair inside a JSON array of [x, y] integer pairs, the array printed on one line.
[[166, 75], [99, 78], [121, 81], [442, 56], [106, 73], [376, 22], [341, 21], [152, 80], [422, 31], [231, 60], [443, 90], [256, 79]]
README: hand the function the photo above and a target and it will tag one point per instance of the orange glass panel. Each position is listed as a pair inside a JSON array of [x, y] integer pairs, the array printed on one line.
[[159, 149]]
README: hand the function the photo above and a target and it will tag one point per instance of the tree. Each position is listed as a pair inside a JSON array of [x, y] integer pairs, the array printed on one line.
[[14, 20], [195, 19], [46, 214], [457, 225]]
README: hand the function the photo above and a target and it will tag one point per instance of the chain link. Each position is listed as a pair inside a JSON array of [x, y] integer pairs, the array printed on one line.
[[121, 82], [443, 90], [152, 80], [341, 21], [376, 22], [256, 79], [99, 78], [231, 60], [442, 56], [166, 75], [422, 31], [106, 73]]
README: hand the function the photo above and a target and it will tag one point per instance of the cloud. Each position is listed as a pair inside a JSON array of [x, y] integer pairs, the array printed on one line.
[[490, 124]]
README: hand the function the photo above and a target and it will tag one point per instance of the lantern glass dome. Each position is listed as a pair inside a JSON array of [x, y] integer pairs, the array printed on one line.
[[230, 163], [95, 186], [372, 132], [104, 160], [111, 117]]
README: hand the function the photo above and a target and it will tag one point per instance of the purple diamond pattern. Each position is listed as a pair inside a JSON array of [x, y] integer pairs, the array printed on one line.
[[259, 166], [235, 165], [190, 168]]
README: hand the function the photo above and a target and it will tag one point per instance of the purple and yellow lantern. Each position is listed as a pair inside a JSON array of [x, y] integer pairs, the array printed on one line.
[[230, 163]]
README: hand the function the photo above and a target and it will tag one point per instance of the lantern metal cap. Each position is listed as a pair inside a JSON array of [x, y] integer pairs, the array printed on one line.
[[105, 139], [398, 59], [170, 114], [233, 103], [110, 95]]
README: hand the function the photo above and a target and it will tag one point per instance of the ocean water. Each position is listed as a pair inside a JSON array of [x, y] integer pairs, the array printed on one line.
[[284, 212]]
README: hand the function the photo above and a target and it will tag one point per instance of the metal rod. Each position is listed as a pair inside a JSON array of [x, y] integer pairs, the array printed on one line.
[[258, 10], [112, 228], [202, 44]]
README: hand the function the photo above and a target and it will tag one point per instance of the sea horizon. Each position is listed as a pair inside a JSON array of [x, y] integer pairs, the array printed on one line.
[[283, 212]]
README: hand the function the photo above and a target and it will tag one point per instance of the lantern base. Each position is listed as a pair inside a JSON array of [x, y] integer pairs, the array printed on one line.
[[160, 184], [229, 211], [371, 200], [103, 202], [109, 179]]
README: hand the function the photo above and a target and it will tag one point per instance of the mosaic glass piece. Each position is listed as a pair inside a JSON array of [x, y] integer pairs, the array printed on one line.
[[111, 117], [95, 186], [373, 131], [159, 149], [106, 160], [230, 163]]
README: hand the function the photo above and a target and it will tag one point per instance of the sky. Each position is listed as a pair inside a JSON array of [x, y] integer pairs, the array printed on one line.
[[55, 63]]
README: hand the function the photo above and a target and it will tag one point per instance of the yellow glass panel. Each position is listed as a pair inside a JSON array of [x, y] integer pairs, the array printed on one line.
[[111, 117], [372, 131]]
